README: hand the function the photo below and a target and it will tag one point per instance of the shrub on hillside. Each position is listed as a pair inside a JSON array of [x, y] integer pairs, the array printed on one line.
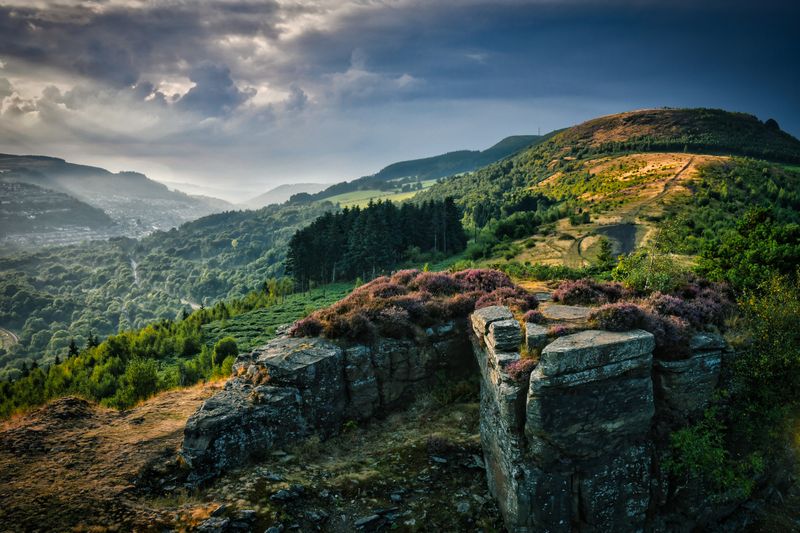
[[306, 327], [513, 297], [395, 306], [671, 333], [621, 316], [484, 280], [588, 291], [404, 277], [535, 317], [436, 283]]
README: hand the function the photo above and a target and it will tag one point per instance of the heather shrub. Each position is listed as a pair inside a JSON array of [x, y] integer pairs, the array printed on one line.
[[513, 297], [671, 333], [535, 317], [394, 322], [413, 303], [520, 370], [393, 306], [306, 327], [387, 289], [404, 277], [587, 291], [436, 283], [353, 326], [559, 330], [484, 280], [621, 316], [462, 304], [667, 304]]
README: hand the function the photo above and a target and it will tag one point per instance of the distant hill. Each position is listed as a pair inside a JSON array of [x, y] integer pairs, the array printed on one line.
[[282, 193], [136, 204], [396, 175], [709, 131], [26, 208]]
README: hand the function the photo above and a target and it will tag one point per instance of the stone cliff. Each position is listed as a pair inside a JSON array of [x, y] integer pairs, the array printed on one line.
[[575, 445]]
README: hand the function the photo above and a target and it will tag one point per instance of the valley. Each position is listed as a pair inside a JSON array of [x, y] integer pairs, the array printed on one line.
[[145, 329]]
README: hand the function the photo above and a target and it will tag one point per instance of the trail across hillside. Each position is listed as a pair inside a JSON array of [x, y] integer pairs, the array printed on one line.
[[7, 338], [625, 232], [134, 266]]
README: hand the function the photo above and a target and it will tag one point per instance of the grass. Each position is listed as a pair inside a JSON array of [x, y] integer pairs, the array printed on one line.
[[362, 198], [256, 327]]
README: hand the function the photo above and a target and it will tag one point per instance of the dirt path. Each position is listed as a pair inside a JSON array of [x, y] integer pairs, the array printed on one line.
[[74, 465], [134, 266], [8, 338], [631, 216], [619, 232]]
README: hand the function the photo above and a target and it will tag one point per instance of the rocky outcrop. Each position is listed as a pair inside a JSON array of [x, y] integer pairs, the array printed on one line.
[[293, 388], [576, 445], [570, 449], [684, 387], [572, 436]]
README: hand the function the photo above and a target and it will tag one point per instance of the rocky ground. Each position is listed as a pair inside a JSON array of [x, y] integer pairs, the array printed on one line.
[[78, 467]]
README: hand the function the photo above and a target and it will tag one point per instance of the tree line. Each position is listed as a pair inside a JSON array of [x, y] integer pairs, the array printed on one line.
[[365, 242]]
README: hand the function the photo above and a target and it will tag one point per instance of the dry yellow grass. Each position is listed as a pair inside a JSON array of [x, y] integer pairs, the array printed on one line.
[[656, 180], [72, 464]]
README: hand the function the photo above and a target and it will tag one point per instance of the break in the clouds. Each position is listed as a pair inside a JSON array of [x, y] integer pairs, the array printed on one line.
[[242, 95]]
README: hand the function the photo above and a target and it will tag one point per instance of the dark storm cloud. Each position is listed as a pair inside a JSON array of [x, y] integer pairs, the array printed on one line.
[[214, 92], [366, 81]]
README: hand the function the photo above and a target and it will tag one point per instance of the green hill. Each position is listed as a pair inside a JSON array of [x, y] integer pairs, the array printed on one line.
[[26, 208], [405, 175], [136, 203], [618, 176]]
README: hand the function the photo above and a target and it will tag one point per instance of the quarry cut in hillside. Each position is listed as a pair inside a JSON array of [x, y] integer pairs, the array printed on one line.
[[573, 432]]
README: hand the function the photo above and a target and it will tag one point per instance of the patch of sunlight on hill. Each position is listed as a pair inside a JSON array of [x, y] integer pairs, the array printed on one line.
[[362, 198]]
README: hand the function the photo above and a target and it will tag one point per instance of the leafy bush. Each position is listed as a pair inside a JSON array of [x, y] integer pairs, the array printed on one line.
[[699, 452]]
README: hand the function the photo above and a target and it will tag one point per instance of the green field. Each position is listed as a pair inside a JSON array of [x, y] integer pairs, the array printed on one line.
[[362, 198], [256, 327]]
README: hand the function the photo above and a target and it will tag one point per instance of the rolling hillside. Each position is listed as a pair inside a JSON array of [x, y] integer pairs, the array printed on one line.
[[620, 177], [282, 193], [405, 178], [137, 205], [26, 209]]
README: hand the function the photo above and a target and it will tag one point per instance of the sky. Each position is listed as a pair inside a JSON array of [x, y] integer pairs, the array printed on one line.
[[233, 97]]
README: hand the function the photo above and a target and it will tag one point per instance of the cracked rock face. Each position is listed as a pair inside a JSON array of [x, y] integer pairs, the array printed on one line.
[[314, 386], [573, 447]]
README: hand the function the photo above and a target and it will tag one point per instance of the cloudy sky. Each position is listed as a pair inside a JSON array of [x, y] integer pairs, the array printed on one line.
[[238, 96]]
